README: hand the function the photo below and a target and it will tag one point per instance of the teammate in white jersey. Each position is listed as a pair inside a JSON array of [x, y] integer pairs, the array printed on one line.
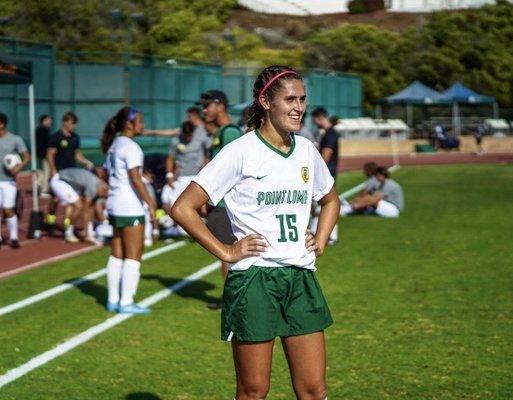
[[268, 179], [127, 193]]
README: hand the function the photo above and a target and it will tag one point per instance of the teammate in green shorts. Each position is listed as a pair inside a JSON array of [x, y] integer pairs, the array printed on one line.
[[127, 193], [268, 179]]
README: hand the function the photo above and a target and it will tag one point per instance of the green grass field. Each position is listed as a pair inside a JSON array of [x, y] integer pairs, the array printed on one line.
[[423, 309]]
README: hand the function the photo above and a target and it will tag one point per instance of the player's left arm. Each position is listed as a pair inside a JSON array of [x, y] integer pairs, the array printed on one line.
[[330, 209], [25, 159], [329, 147], [79, 156], [326, 154]]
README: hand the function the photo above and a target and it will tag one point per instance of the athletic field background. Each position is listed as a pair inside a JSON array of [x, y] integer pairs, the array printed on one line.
[[423, 309]]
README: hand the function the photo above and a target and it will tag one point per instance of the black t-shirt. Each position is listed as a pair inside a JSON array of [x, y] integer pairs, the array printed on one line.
[[330, 140], [42, 137], [66, 147]]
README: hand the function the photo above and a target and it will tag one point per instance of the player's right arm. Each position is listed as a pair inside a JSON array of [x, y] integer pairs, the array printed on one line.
[[50, 157], [162, 132], [170, 170], [135, 179], [185, 212]]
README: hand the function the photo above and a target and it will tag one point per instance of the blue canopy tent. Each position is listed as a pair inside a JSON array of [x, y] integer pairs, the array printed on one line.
[[460, 94], [416, 94]]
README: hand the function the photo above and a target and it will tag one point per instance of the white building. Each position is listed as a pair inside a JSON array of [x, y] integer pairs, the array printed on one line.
[[319, 7], [434, 5], [296, 7]]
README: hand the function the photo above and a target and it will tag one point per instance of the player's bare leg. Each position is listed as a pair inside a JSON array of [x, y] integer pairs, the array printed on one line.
[[253, 369], [306, 356], [370, 200]]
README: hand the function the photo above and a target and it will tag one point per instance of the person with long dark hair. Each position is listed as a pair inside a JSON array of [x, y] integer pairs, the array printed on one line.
[[125, 208], [268, 179]]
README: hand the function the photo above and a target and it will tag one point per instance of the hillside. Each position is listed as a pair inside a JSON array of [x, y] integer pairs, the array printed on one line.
[[396, 22]]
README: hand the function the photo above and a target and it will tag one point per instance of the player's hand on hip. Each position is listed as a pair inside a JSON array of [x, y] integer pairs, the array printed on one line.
[[311, 242], [251, 246]]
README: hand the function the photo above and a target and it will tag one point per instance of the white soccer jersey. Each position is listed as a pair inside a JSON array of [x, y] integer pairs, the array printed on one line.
[[123, 155], [270, 193]]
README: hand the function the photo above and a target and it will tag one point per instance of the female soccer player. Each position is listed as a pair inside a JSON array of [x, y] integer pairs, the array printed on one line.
[[268, 179], [125, 208]]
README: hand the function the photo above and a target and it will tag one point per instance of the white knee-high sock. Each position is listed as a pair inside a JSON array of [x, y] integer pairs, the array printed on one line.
[[147, 225], [346, 209], [90, 229], [334, 233], [129, 281], [12, 225], [114, 270]]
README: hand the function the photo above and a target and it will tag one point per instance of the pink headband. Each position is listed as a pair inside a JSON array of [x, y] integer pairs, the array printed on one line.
[[274, 78]]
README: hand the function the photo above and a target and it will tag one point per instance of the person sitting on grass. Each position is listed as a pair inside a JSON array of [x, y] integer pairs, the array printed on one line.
[[387, 201]]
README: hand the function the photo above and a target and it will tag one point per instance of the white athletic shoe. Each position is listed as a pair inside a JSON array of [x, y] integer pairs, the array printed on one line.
[[148, 242], [71, 238]]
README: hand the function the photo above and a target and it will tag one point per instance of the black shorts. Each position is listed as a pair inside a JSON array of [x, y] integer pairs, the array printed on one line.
[[219, 225]]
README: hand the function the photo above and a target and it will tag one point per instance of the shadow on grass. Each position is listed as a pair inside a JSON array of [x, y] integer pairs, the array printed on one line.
[[142, 396], [195, 290]]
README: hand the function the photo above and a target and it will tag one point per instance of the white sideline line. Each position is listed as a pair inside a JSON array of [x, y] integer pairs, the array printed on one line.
[[87, 335], [359, 187], [79, 281]]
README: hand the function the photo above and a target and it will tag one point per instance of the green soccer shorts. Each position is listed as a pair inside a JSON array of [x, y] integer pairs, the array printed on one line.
[[123, 222], [262, 303]]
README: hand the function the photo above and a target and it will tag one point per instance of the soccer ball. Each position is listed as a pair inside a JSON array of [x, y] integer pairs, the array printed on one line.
[[11, 160]]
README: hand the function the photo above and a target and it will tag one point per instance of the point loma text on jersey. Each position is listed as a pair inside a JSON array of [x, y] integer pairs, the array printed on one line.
[[282, 197]]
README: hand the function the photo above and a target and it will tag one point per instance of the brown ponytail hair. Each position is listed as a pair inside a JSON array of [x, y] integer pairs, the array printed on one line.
[[114, 125], [267, 84]]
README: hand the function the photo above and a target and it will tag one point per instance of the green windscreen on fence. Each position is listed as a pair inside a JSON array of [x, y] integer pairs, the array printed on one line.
[[96, 85], [14, 98]]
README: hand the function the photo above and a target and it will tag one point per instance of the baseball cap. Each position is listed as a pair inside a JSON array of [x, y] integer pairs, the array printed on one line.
[[212, 95]]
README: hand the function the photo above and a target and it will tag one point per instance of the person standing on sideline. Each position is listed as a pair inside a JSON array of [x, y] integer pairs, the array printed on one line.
[[328, 146], [125, 207], [64, 152], [479, 133], [268, 179], [10, 144], [215, 113], [43, 132]]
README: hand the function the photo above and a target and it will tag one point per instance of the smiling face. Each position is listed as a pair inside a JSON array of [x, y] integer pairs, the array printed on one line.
[[287, 106]]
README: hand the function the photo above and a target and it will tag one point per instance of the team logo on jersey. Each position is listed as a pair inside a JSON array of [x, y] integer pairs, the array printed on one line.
[[64, 143], [304, 174]]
